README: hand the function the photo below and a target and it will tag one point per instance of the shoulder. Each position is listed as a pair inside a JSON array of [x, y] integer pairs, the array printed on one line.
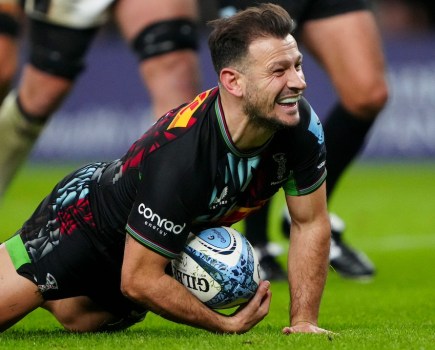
[[307, 134], [175, 127], [310, 120]]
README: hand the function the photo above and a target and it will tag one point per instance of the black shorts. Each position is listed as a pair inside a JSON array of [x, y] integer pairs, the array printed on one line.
[[55, 249], [305, 10]]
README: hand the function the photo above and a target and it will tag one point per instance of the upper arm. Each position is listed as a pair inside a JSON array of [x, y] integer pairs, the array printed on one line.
[[164, 208]]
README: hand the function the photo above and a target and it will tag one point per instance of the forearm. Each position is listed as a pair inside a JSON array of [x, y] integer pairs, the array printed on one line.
[[308, 268], [143, 280], [171, 300]]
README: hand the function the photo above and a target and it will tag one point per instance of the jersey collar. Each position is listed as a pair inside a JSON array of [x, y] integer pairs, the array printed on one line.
[[227, 137]]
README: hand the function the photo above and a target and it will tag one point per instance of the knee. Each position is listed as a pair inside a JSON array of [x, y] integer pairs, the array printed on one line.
[[37, 102], [366, 101], [168, 49]]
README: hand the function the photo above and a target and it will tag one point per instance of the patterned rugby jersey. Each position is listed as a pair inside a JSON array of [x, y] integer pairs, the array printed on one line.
[[185, 174]]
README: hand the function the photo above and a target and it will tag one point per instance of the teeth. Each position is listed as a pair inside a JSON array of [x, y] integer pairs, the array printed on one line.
[[289, 100]]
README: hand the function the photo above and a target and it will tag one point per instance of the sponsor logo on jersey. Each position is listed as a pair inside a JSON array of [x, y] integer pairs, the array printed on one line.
[[155, 221]]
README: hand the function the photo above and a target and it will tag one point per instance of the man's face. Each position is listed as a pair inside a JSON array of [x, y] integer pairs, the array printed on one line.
[[274, 82]]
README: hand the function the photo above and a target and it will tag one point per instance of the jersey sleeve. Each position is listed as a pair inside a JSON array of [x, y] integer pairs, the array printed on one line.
[[309, 171]]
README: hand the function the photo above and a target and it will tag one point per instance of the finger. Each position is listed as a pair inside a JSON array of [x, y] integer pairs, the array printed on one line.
[[262, 290], [260, 302], [286, 330], [263, 308]]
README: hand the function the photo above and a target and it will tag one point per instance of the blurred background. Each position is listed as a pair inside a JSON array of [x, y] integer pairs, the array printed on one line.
[[109, 107]]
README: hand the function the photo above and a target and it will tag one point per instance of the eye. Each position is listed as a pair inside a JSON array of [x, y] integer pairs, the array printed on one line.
[[279, 72]]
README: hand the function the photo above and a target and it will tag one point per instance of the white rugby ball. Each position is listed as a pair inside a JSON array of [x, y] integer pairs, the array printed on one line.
[[219, 266]]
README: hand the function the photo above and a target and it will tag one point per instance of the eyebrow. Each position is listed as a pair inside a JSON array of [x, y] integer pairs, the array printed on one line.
[[299, 58]]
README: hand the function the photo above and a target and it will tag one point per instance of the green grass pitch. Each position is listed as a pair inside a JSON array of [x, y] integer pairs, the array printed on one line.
[[390, 214]]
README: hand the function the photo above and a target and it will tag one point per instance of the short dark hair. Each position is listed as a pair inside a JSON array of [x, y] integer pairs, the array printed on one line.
[[230, 38]]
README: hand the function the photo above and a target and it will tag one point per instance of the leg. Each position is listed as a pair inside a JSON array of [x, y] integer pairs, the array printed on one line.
[[357, 60], [77, 283], [19, 296], [80, 314], [22, 118], [45, 82], [172, 76], [10, 16]]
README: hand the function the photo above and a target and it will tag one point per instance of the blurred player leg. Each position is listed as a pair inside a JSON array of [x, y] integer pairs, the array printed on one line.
[[163, 34], [56, 55], [10, 21], [356, 61]]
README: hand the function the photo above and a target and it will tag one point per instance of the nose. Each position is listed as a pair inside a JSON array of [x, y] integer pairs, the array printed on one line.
[[296, 80]]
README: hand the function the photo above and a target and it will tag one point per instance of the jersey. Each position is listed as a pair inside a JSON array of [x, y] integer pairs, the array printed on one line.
[[183, 175], [212, 183]]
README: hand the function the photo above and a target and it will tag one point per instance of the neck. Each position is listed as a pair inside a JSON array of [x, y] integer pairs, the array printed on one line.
[[244, 134]]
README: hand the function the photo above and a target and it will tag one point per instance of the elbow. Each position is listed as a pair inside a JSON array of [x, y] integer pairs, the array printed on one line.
[[131, 290], [140, 290]]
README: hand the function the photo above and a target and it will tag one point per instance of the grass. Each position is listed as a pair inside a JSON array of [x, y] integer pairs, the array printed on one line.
[[389, 212]]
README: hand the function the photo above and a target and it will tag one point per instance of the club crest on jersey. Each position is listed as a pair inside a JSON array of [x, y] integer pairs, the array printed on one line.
[[281, 160]]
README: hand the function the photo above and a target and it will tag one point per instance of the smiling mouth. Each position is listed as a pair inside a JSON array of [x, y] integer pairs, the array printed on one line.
[[289, 101]]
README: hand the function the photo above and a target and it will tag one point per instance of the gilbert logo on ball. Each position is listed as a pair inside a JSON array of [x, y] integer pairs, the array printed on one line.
[[219, 266]]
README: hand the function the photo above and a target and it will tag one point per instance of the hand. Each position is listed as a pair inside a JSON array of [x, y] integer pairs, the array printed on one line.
[[304, 327], [248, 315]]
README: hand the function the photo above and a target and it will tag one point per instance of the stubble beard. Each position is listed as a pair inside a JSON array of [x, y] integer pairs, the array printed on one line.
[[262, 118]]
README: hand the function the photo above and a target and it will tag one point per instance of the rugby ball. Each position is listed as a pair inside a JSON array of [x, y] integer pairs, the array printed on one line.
[[219, 266]]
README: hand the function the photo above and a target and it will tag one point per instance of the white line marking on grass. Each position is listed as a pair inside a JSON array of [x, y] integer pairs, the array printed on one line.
[[401, 242]]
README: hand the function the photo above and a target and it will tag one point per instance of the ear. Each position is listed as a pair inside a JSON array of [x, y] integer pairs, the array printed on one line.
[[232, 81]]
